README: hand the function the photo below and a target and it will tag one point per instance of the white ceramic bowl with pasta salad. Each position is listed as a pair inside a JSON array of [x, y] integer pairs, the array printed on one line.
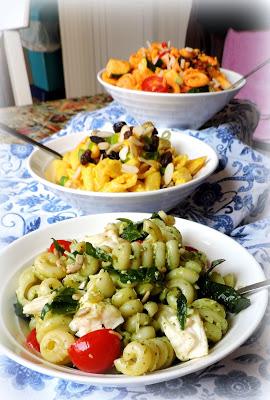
[[125, 299], [176, 88], [128, 168]]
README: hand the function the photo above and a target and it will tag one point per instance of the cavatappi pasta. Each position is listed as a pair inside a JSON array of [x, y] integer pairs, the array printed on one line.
[[138, 280], [161, 67], [132, 159]]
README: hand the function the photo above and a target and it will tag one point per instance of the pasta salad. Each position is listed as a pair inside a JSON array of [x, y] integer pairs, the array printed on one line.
[[133, 299], [160, 67], [132, 159]]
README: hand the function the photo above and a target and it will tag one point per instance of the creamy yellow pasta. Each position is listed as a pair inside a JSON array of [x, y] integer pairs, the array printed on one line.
[[132, 159]]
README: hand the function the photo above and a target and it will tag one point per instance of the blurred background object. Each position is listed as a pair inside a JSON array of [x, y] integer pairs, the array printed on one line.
[[238, 33], [42, 44], [14, 83]]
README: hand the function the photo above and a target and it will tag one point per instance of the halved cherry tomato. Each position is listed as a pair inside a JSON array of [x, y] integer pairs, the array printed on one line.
[[96, 351], [63, 243], [154, 84], [31, 340]]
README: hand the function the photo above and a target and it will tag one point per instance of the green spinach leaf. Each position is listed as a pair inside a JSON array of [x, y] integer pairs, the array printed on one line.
[[96, 252], [62, 303], [182, 310], [18, 309], [223, 294]]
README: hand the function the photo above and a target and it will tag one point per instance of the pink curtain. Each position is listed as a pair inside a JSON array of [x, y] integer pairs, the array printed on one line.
[[243, 51]]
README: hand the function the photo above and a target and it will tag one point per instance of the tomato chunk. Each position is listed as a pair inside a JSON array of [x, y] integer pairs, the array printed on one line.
[[65, 244], [31, 340], [155, 84], [96, 351]]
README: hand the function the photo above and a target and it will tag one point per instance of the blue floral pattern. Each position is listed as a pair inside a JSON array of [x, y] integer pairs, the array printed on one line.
[[232, 200]]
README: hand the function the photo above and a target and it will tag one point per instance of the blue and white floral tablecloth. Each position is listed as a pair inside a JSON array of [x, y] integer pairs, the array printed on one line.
[[233, 201]]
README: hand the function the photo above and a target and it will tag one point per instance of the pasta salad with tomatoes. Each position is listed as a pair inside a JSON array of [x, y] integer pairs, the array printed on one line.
[[132, 299], [162, 68]]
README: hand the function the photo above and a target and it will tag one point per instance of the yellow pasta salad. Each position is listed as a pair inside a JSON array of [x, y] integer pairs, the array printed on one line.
[[132, 159], [160, 67], [132, 299]]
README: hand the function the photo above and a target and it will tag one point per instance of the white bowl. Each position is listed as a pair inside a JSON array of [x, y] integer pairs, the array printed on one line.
[[21, 253], [173, 110], [98, 202]]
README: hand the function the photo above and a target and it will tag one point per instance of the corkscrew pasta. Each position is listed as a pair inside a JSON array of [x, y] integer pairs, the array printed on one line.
[[138, 280]]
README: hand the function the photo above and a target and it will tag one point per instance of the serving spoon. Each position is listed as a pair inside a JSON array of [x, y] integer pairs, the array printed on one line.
[[6, 129], [254, 287], [249, 73]]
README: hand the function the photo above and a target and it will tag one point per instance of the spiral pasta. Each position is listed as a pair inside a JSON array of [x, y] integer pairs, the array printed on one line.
[[138, 279], [140, 357]]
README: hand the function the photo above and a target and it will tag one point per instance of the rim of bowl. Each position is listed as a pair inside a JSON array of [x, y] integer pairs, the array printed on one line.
[[211, 152], [182, 95]]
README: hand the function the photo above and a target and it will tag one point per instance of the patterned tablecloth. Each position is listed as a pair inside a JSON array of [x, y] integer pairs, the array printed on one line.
[[232, 200]]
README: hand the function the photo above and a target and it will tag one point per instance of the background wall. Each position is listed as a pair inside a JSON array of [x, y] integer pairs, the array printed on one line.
[[92, 31], [6, 96]]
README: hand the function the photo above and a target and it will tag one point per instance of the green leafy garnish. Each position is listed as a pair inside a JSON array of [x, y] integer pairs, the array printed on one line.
[[152, 66], [63, 180], [57, 246], [62, 303], [201, 89], [132, 231], [145, 275], [18, 309], [97, 253], [80, 153], [182, 310], [150, 155], [223, 294], [113, 139], [156, 215], [214, 264]]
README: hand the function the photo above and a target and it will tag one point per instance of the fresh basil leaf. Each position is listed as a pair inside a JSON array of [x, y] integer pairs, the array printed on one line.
[[145, 275], [96, 252], [214, 264], [62, 303], [201, 89], [57, 246], [152, 66], [18, 309], [132, 231], [182, 310], [223, 294], [156, 215]]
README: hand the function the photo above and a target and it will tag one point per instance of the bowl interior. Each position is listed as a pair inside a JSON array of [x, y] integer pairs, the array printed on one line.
[[21, 253], [183, 143]]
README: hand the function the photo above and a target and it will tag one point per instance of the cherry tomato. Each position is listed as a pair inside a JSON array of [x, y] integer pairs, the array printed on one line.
[[96, 351], [154, 84], [63, 243], [31, 340], [164, 44]]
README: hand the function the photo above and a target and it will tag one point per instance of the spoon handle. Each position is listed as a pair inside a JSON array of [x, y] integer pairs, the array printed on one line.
[[250, 73], [254, 287], [6, 129]]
